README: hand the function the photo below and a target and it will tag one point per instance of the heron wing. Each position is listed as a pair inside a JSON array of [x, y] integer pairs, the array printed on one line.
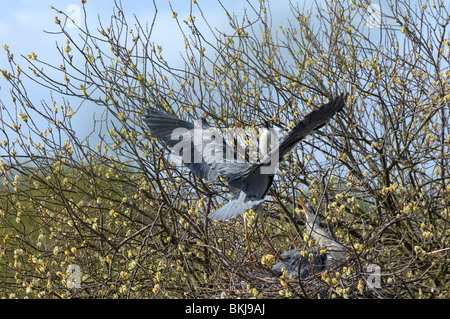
[[215, 148], [197, 142], [178, 133], [312, 121], [238, 204]]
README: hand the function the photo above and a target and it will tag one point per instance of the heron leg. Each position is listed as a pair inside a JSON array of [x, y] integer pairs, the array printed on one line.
[[249, 247], [261, 218]]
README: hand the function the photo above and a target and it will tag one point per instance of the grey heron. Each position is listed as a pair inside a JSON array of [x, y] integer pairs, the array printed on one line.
[[249, 181], [298, 262]]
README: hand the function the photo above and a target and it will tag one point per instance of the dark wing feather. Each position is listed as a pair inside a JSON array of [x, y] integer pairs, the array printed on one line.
[[163, 125], [312, 121]]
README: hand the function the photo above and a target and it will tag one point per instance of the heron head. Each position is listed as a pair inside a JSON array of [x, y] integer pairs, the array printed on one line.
[[311, 216]]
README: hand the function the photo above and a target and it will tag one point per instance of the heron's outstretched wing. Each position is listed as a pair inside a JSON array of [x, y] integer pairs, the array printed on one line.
[[179, 133], [237, 205], [251, 179], [204, 149], [312, 121]]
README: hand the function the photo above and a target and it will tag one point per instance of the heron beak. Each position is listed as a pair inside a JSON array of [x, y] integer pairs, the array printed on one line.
[[303, 205], [310, 216]]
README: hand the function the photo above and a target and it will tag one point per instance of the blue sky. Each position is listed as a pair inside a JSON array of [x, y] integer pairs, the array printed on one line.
[[22, 25], [22, 22]]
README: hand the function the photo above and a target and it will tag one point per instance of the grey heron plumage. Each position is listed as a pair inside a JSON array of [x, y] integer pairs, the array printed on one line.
[[299, 261], [250, 181], [334, 250]]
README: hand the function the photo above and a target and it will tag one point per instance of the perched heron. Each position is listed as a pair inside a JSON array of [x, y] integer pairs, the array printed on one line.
[[250, 181], [297, 261]]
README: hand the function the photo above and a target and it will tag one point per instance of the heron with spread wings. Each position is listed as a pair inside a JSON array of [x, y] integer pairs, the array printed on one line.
[[213, 157]]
